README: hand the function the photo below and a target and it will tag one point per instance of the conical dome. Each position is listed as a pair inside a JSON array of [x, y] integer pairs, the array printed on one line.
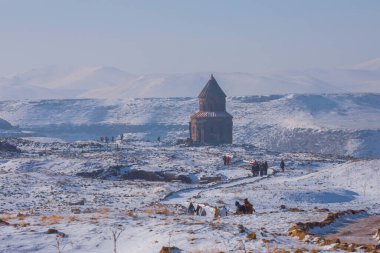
[[212, 90]]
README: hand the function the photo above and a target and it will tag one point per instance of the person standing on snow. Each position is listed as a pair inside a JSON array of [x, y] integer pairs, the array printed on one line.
[[248, 206], [240, 209], [265, 168], [282, 165], [191, 209]]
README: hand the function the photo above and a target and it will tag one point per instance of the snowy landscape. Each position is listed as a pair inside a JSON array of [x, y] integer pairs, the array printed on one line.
[[202, 126], [62, 82], [63, 190]]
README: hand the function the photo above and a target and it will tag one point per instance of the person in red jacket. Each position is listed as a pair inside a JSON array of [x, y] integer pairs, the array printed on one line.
[[248, 206]]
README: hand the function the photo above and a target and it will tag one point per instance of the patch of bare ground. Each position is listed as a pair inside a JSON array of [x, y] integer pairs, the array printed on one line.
[[302, 232], [162, 209], [14, 219], [360, 231], [51, 219], [158, 210]]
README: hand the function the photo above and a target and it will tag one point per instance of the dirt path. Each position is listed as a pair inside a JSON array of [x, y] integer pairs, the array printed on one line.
[[181, 196], [359, 232]]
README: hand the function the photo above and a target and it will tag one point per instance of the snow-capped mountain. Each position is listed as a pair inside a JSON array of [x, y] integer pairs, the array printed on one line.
[[371, 65], [109, 82]]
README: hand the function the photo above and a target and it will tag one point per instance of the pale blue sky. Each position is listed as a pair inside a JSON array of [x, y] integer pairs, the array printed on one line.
[[187, 36]]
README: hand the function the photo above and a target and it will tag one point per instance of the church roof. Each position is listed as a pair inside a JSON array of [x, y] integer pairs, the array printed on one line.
[[212, 90]]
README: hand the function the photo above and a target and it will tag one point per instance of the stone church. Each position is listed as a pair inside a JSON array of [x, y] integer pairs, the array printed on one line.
[[212, 124]]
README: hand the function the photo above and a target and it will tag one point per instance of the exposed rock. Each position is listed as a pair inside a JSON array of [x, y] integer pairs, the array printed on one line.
[[55, 231], [7, 147], [252, 236], [91, 174], [241, 228], [206, 180], [301, 230], [52, 231], [78, 203], [170, 250], [75, 210], [321, 210], [155, 176], [133, 174], [2, 222]]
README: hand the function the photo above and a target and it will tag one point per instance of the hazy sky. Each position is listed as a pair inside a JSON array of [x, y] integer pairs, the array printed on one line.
[[188, 35]]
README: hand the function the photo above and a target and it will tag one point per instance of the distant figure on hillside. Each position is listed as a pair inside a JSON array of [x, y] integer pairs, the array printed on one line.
[[216, 212], [191, 209], [158, 138], [265, 168], [240, 209], [200, 211], [255, 168], [248, 206], [282, 165], [229, 158], [225, 160]]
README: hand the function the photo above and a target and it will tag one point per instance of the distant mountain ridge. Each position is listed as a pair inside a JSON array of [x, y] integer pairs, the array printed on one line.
[[56, 82]]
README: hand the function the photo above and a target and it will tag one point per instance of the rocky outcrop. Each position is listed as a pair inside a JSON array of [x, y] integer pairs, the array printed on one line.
[[7, 147], [302, 231]]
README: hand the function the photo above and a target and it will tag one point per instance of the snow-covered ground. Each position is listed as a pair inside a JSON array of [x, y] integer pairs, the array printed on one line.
[[65, 179], [41, 189], [345, 124]]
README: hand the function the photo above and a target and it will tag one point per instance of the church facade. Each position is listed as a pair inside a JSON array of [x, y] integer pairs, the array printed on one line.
[[212, 124]]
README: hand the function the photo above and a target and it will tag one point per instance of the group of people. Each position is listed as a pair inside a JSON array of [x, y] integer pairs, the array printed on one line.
[[227, 160], [259, 168], [245, 208], [106, 139], [196, 211], [201, 210]]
